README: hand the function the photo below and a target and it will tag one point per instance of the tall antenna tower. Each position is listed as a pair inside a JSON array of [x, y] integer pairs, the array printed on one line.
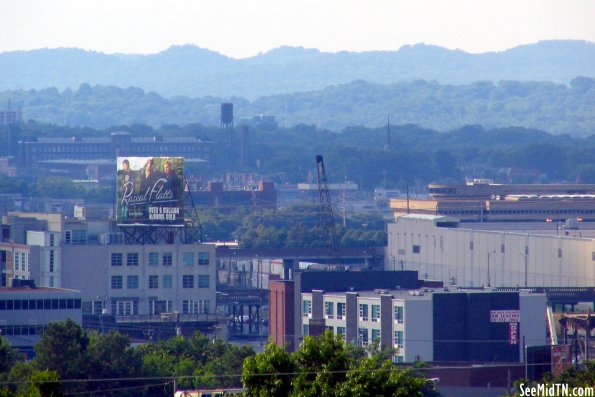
[[326, 216], [389, 144]]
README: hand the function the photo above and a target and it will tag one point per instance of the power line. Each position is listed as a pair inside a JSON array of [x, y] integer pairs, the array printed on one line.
[[406, 366]]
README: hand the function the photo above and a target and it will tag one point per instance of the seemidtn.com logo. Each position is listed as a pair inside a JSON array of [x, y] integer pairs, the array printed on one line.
[[555, 390]]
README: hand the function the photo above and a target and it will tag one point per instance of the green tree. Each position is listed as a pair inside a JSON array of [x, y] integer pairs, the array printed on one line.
[[375, 377], [46, 384], [325, 366], [63, 349], [270, 373], [7, 355], [323, 363]]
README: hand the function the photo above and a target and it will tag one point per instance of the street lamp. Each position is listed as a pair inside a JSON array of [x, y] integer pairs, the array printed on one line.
[[550, 220]]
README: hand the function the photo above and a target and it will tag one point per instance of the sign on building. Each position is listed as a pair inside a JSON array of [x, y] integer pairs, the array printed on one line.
[[505, 316], [150, 190], [513, 333]]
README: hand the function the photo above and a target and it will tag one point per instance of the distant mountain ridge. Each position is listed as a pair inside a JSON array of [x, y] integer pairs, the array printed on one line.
[[196, 72]]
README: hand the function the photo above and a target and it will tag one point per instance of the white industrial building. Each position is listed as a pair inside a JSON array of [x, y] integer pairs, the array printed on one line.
[[441, 248]]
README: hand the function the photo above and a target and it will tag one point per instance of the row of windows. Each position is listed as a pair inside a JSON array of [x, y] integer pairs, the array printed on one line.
[[132, 282], [21, 261], [196, 306], [188, 258], [125, 308], [22, 329], [329, 309], [513, 212], [363, 338], [39, 304], [363, 311]]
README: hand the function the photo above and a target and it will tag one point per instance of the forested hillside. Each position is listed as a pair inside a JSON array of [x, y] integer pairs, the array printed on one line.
[[556, 108], [196, 72], [417, 155]]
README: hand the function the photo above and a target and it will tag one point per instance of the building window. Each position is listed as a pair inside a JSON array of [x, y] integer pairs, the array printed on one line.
[[559, 252], [363, 312], [117, 259], [188, 258], [203, 258], [416, 249], [116, 282], [306, 308], [153, 258], [167, 259], [375, 335], [375, 313], [132, 282], [189, 307], [187, 281], [205, 306], [16, 261], [153, 282], [502, 248], [203, 281], [399, 314], [340, 310], [132, 259], [471, 245], [51, 261], [341, 331], [167, 281], [79, 237], [363, 336], [329, 309], [51, 240], [526, 250], [399, 339], [306, 330]]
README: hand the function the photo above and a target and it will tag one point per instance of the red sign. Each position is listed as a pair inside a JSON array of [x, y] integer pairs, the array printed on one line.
[[513, 333], [561, 358]]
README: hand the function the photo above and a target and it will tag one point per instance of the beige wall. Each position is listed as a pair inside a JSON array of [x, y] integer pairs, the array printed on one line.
[[445, 254]]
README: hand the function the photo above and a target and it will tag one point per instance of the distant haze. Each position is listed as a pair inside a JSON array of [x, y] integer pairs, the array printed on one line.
[[242, 29], [195, 72]]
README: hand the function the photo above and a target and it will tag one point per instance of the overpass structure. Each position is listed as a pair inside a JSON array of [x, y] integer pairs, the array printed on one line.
[[373, 257]]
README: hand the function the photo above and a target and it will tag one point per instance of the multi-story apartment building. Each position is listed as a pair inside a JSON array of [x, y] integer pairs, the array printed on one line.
[[427, 325], [113, 277]]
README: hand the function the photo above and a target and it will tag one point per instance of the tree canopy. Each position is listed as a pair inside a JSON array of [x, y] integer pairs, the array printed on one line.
[[326, 367]]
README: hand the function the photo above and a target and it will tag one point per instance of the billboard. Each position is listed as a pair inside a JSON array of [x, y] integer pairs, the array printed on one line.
[[150, 190]]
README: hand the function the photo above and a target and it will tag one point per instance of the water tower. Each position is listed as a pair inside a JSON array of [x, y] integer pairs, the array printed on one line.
[[227, 120]]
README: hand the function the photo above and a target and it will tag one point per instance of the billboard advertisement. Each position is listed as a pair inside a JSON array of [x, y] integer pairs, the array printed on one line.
[[150, 190]]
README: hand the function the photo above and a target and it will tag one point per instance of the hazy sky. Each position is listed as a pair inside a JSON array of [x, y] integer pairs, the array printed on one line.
[[245, 28]]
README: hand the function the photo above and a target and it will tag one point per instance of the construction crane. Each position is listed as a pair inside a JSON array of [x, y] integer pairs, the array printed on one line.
[[326, 219]]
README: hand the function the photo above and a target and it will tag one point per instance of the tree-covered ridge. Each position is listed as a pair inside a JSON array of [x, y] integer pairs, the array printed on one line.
[[556, 108], [194, 72], [417, 156]]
